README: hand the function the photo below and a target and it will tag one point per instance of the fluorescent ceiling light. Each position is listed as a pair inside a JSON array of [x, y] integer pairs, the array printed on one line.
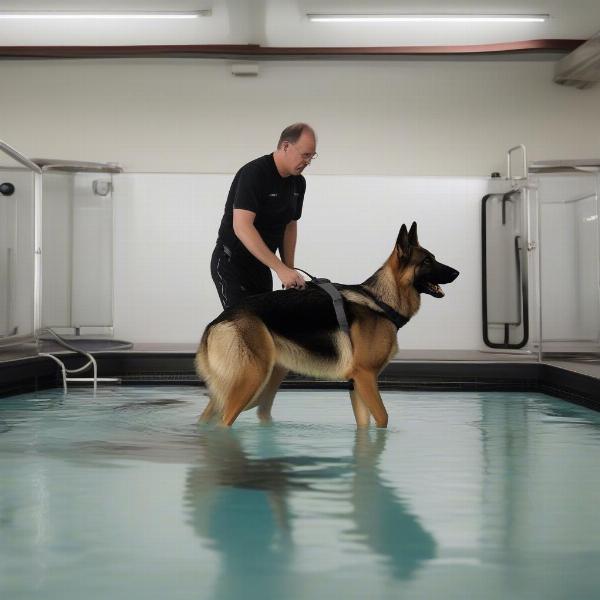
[[381, 18], [58, 15]]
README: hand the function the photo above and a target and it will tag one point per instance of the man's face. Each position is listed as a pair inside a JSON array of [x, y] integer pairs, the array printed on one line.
[[300, 154]]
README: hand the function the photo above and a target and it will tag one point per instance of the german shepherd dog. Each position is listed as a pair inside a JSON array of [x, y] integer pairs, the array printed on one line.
[[247, 350]]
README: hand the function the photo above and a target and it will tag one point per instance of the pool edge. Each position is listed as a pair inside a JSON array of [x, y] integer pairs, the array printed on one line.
[[156, 368]]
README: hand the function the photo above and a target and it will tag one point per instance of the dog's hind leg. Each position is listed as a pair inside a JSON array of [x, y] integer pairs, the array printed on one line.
[[251, 370], [361, 412], [265, 400], [207, 374], [235, 359], [365, 384], [209, 412], [249, 383]]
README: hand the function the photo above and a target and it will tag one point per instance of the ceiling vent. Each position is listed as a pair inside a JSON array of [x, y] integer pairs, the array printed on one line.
[[580, 68]]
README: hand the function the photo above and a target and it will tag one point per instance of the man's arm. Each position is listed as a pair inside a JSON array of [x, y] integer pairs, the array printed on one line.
[[243, 227], [290, 235]]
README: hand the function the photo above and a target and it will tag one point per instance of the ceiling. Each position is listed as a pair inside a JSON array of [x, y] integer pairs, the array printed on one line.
[[283, 23]]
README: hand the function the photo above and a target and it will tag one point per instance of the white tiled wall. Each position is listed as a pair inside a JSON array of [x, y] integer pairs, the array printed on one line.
[[166, 227]]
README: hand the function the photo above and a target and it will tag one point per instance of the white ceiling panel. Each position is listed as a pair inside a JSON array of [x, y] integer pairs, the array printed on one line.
[[284, 23]]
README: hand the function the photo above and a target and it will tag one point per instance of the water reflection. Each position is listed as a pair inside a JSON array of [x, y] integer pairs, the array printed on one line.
[[507, 483], [383, 522], [240, 505], [540, 474]]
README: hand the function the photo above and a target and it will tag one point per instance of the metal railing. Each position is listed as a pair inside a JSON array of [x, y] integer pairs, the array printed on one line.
[[20, 158], [521, 284]]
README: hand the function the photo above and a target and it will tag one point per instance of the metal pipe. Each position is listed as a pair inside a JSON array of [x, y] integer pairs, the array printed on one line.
[[37, 252], [5, 332], [10, 330]]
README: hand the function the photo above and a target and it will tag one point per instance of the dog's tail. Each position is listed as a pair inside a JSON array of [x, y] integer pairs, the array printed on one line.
[[201, 360]]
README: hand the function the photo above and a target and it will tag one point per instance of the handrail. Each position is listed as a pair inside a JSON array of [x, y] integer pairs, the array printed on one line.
[[521, 283], [65, 372], [524, 296], [20, 158], [508, 153]]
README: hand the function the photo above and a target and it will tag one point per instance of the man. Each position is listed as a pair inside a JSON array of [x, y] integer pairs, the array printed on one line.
[[261, 213]]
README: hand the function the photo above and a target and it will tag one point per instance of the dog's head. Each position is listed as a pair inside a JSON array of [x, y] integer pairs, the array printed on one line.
[[419, 266]]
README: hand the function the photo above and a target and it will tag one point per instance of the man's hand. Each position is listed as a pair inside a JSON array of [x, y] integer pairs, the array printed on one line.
[[290, 278]]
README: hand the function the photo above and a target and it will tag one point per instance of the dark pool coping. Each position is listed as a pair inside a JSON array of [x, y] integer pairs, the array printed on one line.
[[164, 368]]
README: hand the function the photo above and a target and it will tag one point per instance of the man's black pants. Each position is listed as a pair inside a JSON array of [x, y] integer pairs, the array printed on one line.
[[235, 280]]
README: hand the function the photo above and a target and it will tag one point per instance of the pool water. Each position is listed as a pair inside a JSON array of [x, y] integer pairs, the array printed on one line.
[[465, 495]]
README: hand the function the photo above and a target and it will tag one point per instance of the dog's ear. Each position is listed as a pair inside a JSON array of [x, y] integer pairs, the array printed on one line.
[[402, 242], [413, 240]]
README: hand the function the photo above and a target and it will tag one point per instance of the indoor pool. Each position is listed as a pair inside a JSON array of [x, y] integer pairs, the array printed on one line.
[[466, 495]]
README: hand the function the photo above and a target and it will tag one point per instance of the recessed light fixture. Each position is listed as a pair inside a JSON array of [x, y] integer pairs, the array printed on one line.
[[408, 18], [59, 15]]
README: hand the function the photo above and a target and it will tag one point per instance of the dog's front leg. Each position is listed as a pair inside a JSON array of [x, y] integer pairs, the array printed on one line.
[[365, 383]]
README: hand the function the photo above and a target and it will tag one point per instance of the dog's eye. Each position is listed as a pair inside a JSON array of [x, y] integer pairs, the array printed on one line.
[[427, 260]]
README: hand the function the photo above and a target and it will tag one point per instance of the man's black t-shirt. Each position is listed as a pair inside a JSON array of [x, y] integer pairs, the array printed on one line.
[[276, 200]]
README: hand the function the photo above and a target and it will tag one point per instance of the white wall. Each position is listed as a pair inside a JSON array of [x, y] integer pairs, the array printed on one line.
[[165, 231], [373, 117], [384, 127], [166, 228]]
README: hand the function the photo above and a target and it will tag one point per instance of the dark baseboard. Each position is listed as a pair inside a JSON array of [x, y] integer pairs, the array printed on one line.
[[148, 368]]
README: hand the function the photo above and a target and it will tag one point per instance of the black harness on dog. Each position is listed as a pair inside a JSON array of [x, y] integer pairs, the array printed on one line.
[[338, 303], [393, 315]]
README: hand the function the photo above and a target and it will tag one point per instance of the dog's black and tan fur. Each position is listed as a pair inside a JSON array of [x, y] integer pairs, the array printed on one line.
[[247, 350]]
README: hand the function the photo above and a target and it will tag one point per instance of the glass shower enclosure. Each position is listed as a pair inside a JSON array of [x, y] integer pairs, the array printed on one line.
[[77, 228], [569, 257], [20, 265], [56, 249], [541, 260]]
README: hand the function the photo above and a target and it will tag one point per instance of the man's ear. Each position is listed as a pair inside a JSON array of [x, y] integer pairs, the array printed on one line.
[[402, 243]]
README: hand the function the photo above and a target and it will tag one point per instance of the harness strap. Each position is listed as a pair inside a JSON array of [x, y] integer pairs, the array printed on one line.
[[336, 297], [393, 315], [338, 303]]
